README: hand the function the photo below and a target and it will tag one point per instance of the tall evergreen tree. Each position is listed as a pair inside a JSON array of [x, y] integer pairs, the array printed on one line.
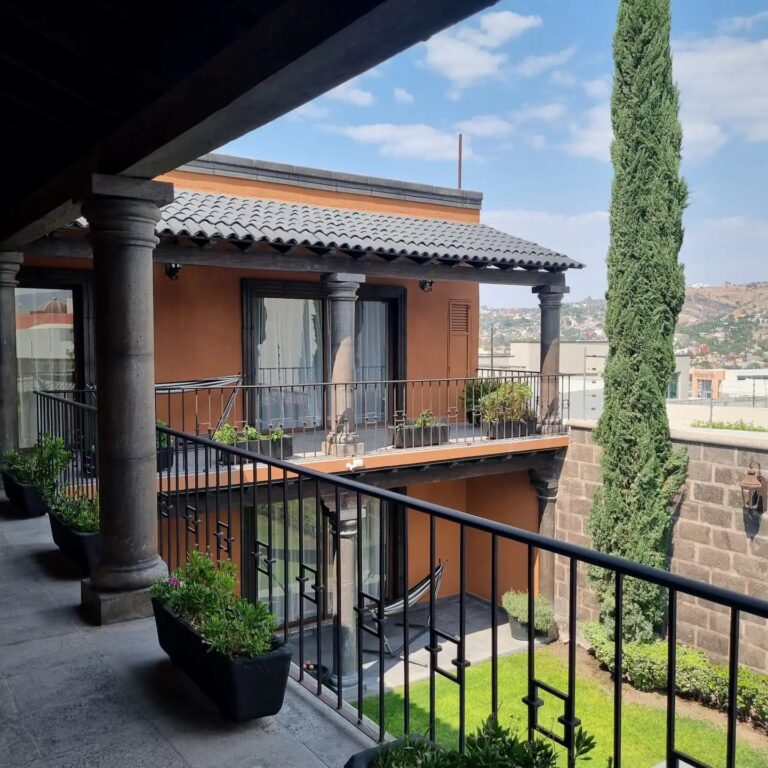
[[631, 516]]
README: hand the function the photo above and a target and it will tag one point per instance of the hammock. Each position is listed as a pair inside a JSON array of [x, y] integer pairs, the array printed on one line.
[[396, 607]]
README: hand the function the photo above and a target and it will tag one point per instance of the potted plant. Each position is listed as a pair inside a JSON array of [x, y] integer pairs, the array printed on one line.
[[227, 435], [276, 444], [474, 391], [424, 430], [250, 436], [29, 476], [165, 446], [507, 411], [491, 745], [75, 528], [516, 605], [223, 642]]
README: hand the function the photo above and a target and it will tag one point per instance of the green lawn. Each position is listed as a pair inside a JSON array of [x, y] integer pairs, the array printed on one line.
[[644, 727]]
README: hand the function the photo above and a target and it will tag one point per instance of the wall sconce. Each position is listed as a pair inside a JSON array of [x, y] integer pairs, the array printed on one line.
[[754, 489], [426, 285], [172, 271]]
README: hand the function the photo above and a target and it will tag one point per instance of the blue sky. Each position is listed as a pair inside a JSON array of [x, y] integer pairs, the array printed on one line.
[[528, 84]]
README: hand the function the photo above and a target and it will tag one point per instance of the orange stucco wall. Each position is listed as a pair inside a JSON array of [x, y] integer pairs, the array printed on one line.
[[228, 185], [508, 498]]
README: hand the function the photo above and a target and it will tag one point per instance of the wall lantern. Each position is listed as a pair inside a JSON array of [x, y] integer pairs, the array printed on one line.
[[172, 271], [426, 285], [754, 489]]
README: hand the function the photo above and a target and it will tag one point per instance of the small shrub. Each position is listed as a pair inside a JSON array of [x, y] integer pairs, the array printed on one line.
[[81, 512], [644, 666], [249, 433], [161, 438], [226, 435], [516, 605], [475, 390], [491, 745], [740, 425], [509, 402], [41, 465], [202, 594]]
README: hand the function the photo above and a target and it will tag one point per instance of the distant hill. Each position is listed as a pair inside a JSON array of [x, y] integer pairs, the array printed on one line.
[[710, 302]]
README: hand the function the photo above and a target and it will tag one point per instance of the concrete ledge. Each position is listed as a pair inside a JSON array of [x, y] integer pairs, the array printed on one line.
[[101, 607]]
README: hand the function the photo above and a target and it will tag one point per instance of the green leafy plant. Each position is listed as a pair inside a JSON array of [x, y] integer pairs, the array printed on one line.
[[162, 437], [202, 594], [631, 515], [276, 434], [80, 512], [426, 419], [510, 401], [474, 391], [740, 425], [226, 435], [644, 666], [491, 746], [516, 605], [249, 433], [41, 465]]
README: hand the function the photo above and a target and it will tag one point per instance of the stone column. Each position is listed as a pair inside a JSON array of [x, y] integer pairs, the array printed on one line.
[[550, 299], [122, 216], [9, 406], [546, 483], [346, 620], [342, 288]]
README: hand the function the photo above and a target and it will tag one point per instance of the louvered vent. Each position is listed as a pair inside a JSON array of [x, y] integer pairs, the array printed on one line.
[[459, 317]]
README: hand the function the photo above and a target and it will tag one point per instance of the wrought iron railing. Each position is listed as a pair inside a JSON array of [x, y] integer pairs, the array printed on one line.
[[334, 558]]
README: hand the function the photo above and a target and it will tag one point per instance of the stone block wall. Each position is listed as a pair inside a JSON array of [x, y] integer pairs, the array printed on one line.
[[713, 540]]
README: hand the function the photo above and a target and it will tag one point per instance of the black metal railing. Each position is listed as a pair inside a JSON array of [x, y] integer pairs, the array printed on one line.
[[341, 563]]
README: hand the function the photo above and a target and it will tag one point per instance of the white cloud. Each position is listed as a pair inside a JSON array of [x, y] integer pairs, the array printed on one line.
[[309, 111], [532, 66], [467, 55], [563, 77], [401, 96], [536, 141], [600, 88], [591, 137], [742, 23], [351, 93], [547, 113], [487, 126], [723, 92], [419, 141]]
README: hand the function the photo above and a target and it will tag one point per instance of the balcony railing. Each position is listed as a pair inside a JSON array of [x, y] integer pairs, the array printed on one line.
[[351, 569]]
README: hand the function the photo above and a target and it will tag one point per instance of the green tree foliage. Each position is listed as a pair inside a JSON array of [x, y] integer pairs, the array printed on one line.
[[646, 290]]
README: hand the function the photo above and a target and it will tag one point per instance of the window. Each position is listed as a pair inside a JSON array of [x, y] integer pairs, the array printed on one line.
[[672, 389]]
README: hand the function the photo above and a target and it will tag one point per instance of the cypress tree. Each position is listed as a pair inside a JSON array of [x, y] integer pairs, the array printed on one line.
[[631, 516]]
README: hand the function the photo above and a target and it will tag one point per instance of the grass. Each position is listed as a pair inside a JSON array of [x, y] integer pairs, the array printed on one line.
[[643, 726], [740, 425]]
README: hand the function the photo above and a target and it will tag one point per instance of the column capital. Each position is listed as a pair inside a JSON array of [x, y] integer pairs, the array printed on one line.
[[343, 286], [550, 295], [10, 261], [547, 481]]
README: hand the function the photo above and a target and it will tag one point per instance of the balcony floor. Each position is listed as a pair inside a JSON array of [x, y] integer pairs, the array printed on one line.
[[77, 696]]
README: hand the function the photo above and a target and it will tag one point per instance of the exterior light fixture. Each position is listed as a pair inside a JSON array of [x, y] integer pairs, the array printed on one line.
[[172, 271], [426, 285], [754, 489]]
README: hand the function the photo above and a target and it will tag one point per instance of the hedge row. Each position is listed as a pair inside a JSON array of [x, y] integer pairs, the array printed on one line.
[[645, 668]]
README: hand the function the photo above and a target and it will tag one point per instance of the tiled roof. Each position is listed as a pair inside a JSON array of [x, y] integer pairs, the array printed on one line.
[[207, 216]]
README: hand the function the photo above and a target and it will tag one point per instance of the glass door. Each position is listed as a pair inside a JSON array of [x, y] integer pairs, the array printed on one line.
[[372, 359], [45, 350], [289, 360]]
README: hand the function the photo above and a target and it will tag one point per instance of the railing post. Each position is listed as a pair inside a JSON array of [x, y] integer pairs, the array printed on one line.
[[122, 214]]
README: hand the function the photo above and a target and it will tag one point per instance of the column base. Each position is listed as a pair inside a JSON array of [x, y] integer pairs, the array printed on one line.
[[343, 450], [102, 607], [129, 578]]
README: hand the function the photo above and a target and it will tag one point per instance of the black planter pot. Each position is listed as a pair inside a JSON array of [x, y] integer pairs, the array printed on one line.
[[84, 549], [367, 757], [277, 449], [520, 632], [410, 436], [230, 459], [165, 457], [26, 498], [242, 688], [501, 430]]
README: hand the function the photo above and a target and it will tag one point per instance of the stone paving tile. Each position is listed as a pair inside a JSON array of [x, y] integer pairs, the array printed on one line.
[[16, 745]]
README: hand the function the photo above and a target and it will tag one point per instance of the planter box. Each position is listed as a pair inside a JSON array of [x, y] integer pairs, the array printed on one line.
[[26, 498], [410, 436], [277, 449], [84, 549], [242, 688], [230, 459], [90, 468], [502, 430], [367, 757], [520, 632], [165, 459]]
